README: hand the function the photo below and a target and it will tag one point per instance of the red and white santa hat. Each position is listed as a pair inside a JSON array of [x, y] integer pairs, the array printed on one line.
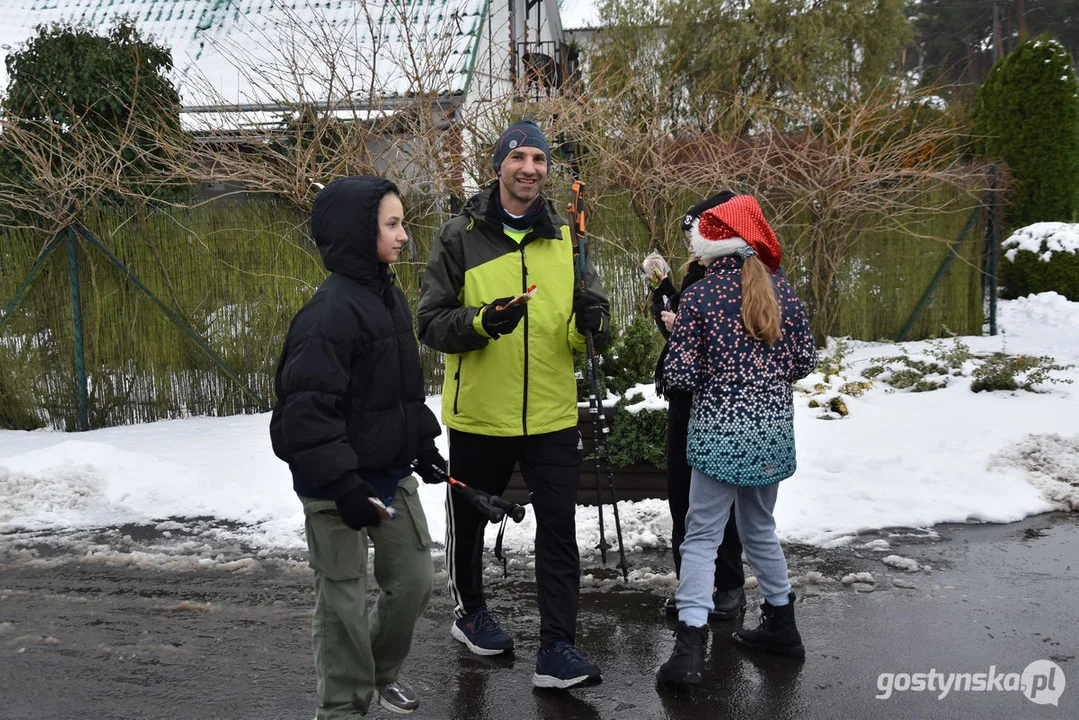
[[724, 228]]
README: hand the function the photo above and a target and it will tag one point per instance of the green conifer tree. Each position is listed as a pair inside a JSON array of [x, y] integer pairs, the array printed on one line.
[[1028, 117]]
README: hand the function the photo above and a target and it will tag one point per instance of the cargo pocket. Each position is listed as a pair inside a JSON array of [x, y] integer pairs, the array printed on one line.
[[336, 550], [408, 493]]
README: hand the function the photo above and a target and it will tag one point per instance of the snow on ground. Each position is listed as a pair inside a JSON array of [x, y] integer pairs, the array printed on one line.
[[899, 460]]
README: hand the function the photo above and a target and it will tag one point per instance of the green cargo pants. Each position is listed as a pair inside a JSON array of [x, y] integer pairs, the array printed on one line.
[[356, 649]]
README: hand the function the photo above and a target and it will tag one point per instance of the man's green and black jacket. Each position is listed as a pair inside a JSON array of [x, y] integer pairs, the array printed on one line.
[[523, 383]]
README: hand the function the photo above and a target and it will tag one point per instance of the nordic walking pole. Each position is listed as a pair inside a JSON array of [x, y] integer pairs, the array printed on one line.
[[600, 431], [492, 506], [576, 221]]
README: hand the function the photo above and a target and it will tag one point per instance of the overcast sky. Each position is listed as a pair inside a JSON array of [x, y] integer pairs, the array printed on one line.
[[579, 13]]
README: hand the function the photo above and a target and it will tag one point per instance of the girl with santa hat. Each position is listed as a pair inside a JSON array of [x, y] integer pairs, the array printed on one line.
[[740, 340]]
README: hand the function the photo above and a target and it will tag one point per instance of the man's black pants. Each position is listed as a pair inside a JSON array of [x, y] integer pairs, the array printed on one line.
[[550, 464]]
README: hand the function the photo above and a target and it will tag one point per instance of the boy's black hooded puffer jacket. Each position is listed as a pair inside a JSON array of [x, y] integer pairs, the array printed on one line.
[[350, 396]]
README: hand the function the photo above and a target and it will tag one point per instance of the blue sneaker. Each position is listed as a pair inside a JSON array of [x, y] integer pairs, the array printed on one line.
[[480, 632], [564, 666]]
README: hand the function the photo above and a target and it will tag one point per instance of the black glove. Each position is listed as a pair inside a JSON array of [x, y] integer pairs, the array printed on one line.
[[589, 314], [356, 509], [502, 321], [431, 466]]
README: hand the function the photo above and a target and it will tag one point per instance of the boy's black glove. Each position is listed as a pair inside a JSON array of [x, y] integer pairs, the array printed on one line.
[[356, 509], [502, 321], [431, 466]]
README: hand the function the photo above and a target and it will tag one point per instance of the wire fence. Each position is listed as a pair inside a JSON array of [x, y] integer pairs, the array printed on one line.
[[142, 314]]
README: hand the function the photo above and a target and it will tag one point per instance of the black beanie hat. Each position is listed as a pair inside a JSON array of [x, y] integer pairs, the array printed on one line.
[[695, 212], [523, 133]]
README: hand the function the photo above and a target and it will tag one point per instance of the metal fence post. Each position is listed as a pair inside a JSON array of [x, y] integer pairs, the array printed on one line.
[[30, 277], [82, 420], [953, 252], [992, 241]]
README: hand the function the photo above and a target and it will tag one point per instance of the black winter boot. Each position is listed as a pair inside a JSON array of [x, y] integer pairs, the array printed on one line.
[[684, 666], [776, 633]]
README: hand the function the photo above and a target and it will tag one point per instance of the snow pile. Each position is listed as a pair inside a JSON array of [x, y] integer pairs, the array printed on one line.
[[1051, 463], [901, 563]]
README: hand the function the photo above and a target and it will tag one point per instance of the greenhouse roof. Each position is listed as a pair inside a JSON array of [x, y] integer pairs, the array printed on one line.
[[266, 51]]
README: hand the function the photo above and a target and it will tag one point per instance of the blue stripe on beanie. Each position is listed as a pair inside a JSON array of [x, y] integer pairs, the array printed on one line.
[[523, 133]]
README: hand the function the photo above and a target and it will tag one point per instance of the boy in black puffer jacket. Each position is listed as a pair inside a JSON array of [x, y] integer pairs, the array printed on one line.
[[350, 420]]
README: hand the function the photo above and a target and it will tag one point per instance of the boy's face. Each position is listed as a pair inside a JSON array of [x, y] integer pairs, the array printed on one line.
[[391, 228], [522, 175]]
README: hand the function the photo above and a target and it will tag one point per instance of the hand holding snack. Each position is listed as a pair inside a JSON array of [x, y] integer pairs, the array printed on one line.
[[655, 268], [520, 299]]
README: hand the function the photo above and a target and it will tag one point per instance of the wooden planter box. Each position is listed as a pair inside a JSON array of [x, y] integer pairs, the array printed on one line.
[[631, 482]]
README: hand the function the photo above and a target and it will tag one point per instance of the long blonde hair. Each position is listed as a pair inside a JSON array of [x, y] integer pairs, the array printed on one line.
[[761, 313]]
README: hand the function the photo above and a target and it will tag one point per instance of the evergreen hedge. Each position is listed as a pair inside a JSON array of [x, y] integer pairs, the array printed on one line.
[[1028, 116]]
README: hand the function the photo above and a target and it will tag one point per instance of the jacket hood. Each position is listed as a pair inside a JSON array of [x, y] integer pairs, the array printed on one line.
[[484, 207], [344, 224]]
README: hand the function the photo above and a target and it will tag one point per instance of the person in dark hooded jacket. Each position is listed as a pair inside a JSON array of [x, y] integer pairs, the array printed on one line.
[[350, 420]]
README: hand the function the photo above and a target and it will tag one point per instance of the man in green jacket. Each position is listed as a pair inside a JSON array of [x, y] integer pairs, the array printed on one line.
[[510, 395]]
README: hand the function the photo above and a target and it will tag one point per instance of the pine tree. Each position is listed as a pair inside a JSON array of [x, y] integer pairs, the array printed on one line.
[[954, 38], [694, 59]]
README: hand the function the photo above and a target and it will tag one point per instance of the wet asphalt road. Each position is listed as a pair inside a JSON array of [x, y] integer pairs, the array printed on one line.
[[85, 638]]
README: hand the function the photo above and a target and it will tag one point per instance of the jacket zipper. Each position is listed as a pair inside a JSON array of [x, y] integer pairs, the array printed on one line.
[[524, 389], [457, 390]]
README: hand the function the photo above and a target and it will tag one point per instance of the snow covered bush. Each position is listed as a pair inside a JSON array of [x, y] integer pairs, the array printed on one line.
[[930, 371], [940, 363], [633, 360], [831, 368], [630, 360], [1041, 257]]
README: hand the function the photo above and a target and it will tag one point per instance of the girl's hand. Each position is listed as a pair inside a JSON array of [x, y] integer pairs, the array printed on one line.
[[668, 319]]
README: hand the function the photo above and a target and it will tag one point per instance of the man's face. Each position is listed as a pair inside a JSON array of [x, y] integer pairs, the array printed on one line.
[[521, 177]]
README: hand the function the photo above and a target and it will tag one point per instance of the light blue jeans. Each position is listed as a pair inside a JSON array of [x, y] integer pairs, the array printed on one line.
[[709, 503]]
